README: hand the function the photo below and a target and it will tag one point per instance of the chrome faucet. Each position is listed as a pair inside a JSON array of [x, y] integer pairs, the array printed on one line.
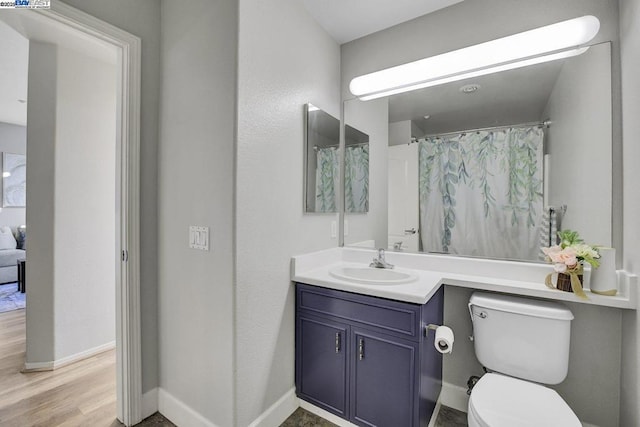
[[380, 262]]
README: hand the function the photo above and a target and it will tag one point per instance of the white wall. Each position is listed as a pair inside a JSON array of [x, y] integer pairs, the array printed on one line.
[[579, 135], [71, 180], [285, 60], [142, 18], [630, 59], [84, 205], [400, 132], [13, 139], [196, 175]]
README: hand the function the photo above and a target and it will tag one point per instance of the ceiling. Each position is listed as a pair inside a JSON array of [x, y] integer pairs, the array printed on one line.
[[16, 29], [347, 20], [14, 58], [497, 102]]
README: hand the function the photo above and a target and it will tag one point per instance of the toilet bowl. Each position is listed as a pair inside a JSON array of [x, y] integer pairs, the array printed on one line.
[[524, 343], [501, 401]]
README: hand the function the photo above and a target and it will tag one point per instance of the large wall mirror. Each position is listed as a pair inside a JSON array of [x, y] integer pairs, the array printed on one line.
[[491, 166]]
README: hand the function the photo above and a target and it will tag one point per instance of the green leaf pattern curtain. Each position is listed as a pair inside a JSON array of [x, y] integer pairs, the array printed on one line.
[[327, 179], [356, 178], [481, 193]]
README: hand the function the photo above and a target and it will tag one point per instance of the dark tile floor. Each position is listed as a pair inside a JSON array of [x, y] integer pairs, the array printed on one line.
[[447, 417], [302, 418], [156, 420]]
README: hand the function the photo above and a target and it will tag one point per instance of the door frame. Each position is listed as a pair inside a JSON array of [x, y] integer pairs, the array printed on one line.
[[128, 336]]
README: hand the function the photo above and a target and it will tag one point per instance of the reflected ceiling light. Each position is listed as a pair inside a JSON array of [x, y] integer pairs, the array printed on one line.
[[556, 41], [470, 88], [6, 174]]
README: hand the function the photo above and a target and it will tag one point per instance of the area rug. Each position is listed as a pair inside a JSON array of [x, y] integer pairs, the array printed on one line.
[[10, 298]]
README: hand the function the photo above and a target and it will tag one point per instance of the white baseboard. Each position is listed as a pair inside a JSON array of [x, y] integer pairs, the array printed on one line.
[[55, 364], [179, 413], [454, 397], [149, 403], [340, 422], [279, 411], [434, 416]]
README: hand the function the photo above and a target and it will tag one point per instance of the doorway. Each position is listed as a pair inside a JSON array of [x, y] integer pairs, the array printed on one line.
[[65, 22]]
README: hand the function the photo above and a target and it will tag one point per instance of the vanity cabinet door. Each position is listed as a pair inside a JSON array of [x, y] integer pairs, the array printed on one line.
[[321, 363], [383, 380]]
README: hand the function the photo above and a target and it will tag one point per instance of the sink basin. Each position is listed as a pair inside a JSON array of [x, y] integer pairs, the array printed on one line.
[[372, 276]]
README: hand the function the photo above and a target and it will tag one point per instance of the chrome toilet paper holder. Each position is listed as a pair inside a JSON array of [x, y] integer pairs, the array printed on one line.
[[430, 326]]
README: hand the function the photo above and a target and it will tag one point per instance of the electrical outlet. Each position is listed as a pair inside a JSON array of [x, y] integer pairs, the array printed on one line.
[[199, 237]]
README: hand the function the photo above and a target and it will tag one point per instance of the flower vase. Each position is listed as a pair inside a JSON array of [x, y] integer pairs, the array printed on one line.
[[564, 282], [603, 279]]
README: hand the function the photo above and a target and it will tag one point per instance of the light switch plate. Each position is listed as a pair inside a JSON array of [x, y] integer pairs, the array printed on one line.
[[199, 237]]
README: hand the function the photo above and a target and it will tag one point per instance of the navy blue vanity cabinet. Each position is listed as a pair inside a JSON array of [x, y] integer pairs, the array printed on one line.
[[367, 359], [384, 374], [321, 355]]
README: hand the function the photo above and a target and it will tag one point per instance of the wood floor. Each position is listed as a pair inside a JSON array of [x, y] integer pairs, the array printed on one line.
[[81, 394]]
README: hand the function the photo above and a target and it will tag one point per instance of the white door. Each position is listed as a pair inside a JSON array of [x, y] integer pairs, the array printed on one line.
[[403, 196]]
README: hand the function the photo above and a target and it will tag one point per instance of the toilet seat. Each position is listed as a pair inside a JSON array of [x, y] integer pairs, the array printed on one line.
[[501, 401]]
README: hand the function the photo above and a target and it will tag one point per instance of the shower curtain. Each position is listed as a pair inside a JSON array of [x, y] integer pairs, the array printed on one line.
[[327, 179], [356, 178], [481, 193]]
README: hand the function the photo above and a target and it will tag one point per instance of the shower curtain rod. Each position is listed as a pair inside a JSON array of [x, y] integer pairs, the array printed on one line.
[[544, 124], [316, 147]]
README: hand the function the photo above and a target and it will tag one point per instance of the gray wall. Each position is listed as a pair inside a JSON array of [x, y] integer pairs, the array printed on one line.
[[285, 60], [142, 18], [41, 108], [84, 218], [630, 58], [196, 185], [71, 180], [592, 386], [13, 139]]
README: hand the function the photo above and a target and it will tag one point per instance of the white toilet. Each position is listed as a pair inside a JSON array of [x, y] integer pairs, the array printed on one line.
[[523, 343]]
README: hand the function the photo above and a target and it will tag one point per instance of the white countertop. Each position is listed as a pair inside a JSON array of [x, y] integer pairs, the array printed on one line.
[[432, 271]]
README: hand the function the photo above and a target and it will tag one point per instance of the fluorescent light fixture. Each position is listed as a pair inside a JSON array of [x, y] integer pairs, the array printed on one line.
[[542, 44], [490, 70]]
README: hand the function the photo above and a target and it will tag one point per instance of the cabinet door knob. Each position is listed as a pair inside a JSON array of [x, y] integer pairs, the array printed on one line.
[[338, 342], [361, 349]]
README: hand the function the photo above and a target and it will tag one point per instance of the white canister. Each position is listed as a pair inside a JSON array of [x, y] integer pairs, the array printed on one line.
[[604, 279]]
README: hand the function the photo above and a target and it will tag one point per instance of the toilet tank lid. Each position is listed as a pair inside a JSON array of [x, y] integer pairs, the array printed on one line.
[[524, 306]]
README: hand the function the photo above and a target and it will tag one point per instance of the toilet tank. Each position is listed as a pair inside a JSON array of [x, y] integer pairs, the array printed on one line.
[[520, 337]]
